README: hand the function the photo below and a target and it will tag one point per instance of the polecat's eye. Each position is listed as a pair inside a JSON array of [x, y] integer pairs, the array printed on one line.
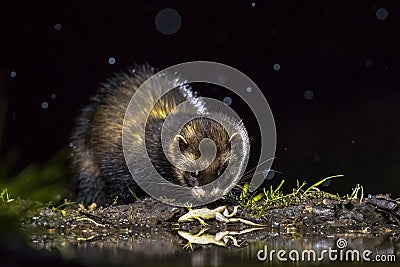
[[195, 174]]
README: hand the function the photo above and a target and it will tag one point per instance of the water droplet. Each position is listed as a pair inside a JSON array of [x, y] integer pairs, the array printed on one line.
[[277, 66], [111, 60], [381, 14], [168, 21], [227, 100], [45, 105], [248, 89], [308, 95], [13, 74]]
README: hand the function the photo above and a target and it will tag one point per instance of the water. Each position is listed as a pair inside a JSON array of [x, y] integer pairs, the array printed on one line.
[[166, 249]]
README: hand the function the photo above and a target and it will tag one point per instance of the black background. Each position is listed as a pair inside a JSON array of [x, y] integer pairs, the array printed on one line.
[[350, 126]]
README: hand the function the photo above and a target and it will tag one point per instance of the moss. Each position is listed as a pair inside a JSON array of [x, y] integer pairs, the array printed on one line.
[[269, 198]]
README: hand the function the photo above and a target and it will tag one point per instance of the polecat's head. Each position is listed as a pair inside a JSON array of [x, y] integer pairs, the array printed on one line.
[[189, 142]]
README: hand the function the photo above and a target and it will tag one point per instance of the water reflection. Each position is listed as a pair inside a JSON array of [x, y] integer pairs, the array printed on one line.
[[166, 248]]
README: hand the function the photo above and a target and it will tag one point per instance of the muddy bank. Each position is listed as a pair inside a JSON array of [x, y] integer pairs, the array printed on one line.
[[148, 231]]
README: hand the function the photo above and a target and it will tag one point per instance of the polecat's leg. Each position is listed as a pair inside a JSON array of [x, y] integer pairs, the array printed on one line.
[[91, 189]]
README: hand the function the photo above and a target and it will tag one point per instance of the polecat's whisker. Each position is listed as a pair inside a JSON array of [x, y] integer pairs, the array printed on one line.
[[252, 169]]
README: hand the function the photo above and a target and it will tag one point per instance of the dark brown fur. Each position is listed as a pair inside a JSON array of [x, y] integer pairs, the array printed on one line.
[[98, 165]]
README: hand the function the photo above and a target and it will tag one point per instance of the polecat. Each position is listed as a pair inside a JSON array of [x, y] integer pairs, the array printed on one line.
[[98, 165]]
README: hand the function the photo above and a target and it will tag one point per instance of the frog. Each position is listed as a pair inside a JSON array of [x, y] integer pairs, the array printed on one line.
[[221, 238], [202, 238], [220, 214]]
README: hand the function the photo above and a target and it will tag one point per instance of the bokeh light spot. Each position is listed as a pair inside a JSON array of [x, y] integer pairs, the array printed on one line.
[[111, 61], [269, 174], [368, 63], [381, 14], [227, 100], [327, 182], [45, 105], [168, 21], [308, 94], [221, 79], [277, 66]]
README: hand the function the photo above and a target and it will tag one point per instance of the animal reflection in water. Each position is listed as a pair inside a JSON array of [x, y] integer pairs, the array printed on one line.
[[220, 214]]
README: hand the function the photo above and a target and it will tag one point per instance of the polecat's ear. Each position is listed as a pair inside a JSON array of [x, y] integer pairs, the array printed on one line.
[[180, 138]]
